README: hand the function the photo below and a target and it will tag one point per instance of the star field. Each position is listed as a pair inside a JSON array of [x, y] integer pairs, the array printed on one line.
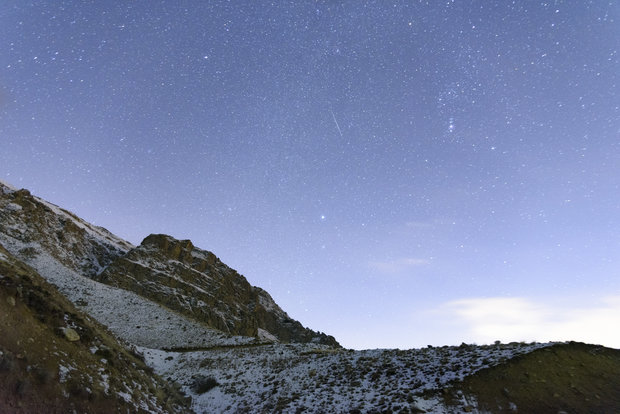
[[383, 169]]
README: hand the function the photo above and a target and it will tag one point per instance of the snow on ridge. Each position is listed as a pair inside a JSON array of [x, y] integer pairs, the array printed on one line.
[[6, 187], [157, 269], [13, 207], [267, 302], [200, 253], [96, 232]]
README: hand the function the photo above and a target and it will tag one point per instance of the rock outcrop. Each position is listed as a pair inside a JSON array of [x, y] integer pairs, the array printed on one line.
[[197, 284]]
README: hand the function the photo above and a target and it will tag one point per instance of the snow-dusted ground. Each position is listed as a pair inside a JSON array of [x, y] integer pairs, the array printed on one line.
[[290, 377]]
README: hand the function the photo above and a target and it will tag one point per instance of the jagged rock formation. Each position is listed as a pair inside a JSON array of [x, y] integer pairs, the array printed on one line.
[[167, 271], [53, 358], [197, 284]]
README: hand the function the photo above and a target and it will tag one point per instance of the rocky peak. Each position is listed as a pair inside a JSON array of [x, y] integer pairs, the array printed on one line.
[[173, 248], [180, 250], [197, 284]]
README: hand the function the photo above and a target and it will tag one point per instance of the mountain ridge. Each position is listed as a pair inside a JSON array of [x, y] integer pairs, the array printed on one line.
[[178, 320], [163, 269]]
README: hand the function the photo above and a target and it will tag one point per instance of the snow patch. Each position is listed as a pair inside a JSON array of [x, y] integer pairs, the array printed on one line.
[[63, 372], [13, 207], [265, 335], [125, 396], [6, 188]]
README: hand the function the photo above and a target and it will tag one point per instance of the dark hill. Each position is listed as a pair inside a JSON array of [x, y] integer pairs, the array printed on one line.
[[570, 378]]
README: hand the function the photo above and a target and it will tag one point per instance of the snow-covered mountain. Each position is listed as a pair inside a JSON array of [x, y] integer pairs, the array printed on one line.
[[108, 326]]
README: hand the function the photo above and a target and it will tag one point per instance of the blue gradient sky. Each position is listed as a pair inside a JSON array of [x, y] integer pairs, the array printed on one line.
[[394, 173]]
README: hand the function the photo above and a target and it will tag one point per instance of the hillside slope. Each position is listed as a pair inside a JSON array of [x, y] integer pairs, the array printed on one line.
[[571, 377], [500, 378], [310, 378], [29, 224], [53, 358]]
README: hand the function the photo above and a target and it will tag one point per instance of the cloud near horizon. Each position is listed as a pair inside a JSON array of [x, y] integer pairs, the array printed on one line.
[[524, 319]]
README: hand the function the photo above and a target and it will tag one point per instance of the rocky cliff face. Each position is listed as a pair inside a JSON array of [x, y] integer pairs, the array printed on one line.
[[197, 284], [162, 269]]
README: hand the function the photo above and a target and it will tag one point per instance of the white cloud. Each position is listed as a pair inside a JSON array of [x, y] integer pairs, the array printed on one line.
[[523, 319], [398, 265]]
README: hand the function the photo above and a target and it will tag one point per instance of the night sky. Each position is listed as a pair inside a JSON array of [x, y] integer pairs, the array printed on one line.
[[394, 173]]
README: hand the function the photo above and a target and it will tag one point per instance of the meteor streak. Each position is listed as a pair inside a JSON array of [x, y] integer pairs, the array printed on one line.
[[336, 122]]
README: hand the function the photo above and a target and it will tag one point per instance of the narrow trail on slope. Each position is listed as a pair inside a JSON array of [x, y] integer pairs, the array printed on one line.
[[215, 347]]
